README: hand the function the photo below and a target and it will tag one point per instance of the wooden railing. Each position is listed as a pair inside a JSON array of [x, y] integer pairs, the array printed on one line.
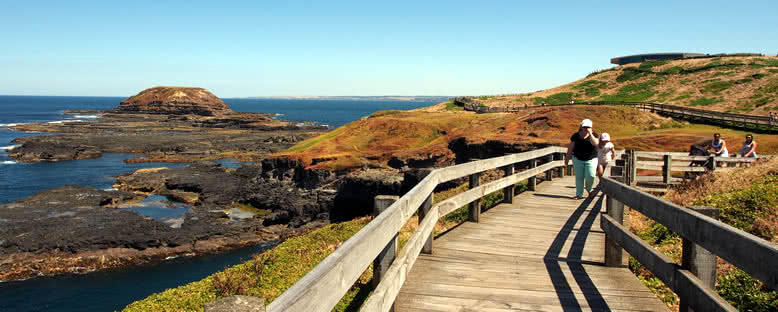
[[663, 164], [325, 285], [704, 238], [683, 112]]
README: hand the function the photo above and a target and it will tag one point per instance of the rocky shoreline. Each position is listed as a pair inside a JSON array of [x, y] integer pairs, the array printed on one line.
[[79, 229]]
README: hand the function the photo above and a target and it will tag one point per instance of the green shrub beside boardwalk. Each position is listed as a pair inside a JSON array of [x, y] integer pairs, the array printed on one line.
[[267, 275]]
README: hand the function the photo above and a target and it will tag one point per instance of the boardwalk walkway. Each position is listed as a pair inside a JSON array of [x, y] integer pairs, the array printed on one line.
[[543, 253]]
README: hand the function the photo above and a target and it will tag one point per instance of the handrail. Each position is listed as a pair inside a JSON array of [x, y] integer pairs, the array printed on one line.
[[753, 255], [325, 285], [667, 162]]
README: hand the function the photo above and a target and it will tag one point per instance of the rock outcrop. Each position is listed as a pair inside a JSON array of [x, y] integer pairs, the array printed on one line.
[[175, 101]]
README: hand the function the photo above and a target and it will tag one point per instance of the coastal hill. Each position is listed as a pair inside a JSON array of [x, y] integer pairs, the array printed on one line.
[[176, 101], [739, 84], [445, 134]]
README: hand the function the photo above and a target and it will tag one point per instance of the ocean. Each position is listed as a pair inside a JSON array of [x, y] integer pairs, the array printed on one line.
[[19, 180], [112, 290]]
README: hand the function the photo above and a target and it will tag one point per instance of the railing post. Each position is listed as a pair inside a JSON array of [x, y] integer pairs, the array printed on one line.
[[475, 206], [633, 171], [549, 173], [423, 213], [613, 252], [560, 170], [666, 177], [532, 181], [507, 192], [698, 260], [712, 163], [385, 258]]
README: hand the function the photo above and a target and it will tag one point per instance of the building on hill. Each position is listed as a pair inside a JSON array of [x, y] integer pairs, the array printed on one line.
[[637, 58]]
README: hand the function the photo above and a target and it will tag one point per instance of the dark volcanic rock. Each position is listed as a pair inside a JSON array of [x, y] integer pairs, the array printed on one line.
[[176, 101], [35, 151], [356, 192]]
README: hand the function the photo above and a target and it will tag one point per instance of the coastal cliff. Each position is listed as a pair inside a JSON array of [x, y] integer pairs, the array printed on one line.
[[176, 101]]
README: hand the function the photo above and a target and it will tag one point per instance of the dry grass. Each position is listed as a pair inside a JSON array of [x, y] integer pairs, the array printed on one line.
[[425, 135], [742, 84], [721, 181]]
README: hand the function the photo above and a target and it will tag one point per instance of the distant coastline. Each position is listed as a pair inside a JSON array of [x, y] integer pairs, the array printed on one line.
[[360, 98]]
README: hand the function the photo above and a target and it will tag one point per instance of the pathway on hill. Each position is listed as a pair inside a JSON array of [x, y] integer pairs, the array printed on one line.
[[543, 253]]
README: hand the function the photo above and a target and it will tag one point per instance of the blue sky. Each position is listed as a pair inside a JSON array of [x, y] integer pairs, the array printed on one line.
[[258, 48]]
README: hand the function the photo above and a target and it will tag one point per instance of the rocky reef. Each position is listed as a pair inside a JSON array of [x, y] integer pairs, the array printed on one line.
[[175, 100]]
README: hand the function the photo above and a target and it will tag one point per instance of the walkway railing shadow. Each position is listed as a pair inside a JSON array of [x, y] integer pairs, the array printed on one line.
[[574, 259]]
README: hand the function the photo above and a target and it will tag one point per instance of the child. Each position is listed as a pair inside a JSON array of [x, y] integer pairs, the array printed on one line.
[[605, 153]]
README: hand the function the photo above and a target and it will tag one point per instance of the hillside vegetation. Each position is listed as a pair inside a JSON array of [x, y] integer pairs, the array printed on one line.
[[730, 84], [748, 199], [428, 135]]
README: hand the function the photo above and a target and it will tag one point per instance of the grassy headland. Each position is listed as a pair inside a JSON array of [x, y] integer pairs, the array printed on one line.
[[732, 84]]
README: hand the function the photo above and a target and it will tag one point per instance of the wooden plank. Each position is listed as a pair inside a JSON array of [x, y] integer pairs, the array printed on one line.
[[640, 179], [641, 165], [701, 298], [416, 303], [748, 252]]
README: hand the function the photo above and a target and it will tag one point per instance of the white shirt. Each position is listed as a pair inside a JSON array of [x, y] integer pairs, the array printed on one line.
[[605, 154]]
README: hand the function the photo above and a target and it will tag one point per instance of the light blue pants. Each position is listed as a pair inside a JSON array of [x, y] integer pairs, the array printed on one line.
[[584, 175]]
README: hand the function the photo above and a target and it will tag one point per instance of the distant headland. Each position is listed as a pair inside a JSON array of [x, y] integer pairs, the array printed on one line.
[[420, 98]]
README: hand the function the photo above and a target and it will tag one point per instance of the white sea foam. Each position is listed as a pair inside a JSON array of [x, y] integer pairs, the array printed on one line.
[[110, 189], [64, 121], [9, 148], [86, 116], [7, 162], [11, 124]]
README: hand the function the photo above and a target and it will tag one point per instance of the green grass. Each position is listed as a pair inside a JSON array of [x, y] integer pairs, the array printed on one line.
[[555, 99], [747, 208], [313, 141], [673, 70], [648, 65], [703, 101], [716, 87], [267, 275], [629, 74], [635, 92], [452, 106]]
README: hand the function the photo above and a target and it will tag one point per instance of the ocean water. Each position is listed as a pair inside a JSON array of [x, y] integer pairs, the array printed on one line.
[[18, 180], [112, 290]]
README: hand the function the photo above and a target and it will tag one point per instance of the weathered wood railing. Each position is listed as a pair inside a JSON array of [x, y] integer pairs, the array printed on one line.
[[663, 164], [325, 285], [683, 112], [753, 255]]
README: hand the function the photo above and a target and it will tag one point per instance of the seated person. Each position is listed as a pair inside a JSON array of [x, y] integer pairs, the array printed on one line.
[[749, 147]]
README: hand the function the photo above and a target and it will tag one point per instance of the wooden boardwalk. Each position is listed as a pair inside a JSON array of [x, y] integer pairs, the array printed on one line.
[[543, 253]]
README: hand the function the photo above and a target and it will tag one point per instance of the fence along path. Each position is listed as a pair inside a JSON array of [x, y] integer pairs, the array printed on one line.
[[542, 253], [540, 250], [682, 112]]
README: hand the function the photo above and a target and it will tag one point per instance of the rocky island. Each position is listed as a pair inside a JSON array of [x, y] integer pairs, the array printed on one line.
[[77, 228]]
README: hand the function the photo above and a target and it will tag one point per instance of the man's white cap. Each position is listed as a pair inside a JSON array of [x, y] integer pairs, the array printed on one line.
[[586, 123], [605, 137]]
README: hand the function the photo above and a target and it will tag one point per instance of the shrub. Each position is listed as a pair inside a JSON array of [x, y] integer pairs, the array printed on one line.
[[746, 293], [703, 101], [650, 64], [629, 74], [673, 70], [716, 87]]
